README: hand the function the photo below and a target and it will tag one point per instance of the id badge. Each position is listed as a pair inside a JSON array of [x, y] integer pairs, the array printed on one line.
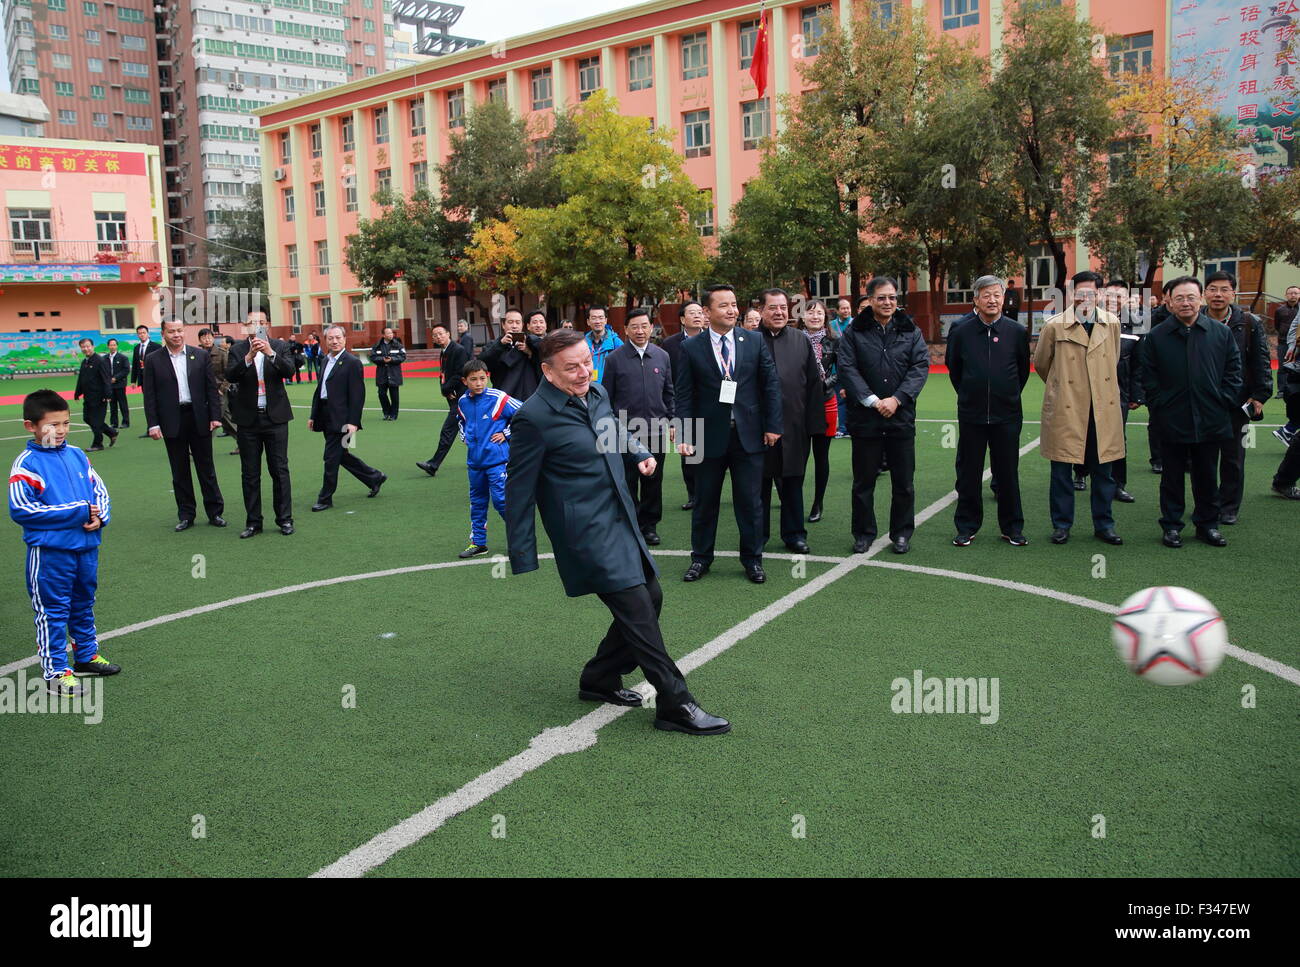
[[727, 392]]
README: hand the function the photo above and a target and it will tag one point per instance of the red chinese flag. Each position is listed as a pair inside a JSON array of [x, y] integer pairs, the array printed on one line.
[[758, 67]]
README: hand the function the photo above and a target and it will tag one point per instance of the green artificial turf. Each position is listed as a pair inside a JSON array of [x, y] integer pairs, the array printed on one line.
[[237, 715]]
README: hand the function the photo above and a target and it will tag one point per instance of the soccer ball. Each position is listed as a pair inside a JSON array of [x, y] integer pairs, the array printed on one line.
[[1170, 636]]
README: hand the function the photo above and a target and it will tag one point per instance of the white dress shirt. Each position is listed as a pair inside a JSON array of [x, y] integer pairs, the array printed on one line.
[[182, 374], [329, 366], [716, 340]]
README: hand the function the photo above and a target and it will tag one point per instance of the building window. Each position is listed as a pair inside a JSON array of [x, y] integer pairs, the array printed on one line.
[[960, 13], [61, 62], [542, 89], [287, 194], [132, 42], [95, 65], [755, 122], [291, 260], [350, 194], [384, 179], [58, 32], [30, 228], [130, 15], [136, 95], [285, 154], [136, 122], [390, 307], [318, 196], [326, 314], [368, 50], [92, 36], [295, 315], [370, 26], [110, 231], [322, 258], [97, 92], [695, 55], [64, 89], [748, 38], [420, 176], [313, 136], [117, 318], [99, 120], [90, 9], [588, 77], [132, 69], [347, 134], [1042, 273], [417, 118], [57, 4], [67, 117], [357, 306], [824, 285], [812, 27], [381, 125], [1122, 159], [704, 224], [640, 68], [957, 290], [456, 109], [1130, 55], [695, 125], [496, 90]]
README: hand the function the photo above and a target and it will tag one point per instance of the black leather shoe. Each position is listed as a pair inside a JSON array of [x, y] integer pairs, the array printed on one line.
[[427, 467], [112, 439], [963, 540], [816, 514], [799, 547], [1289, 493], [1228, 519], [217, 521], [652, 538], [249, 532], [1109, 536], [900, 546], [755, 573], [861, 545], [624, 696], [1016, 540], [1060, 535], [184, 525], [286, 529], [1124, 497], [1157, 468], [1080, 483], [695, 571], [94, 449], [1211, 536], [322, 505], [692, 720], [689, 505], [374, 491], [1172, 539]]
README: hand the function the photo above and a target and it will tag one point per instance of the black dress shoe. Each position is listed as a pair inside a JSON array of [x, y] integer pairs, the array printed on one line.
[[623, 696], [861, 545], [184, 525], [1124, 497], [1211, 536], [651, 538], [374, 491], [1060, 535], [755, 573], [799, 547], [112, 439], [286, 529], [94, 449], [689, 505], [900, 546], [427, 467], [695, 571], [816, 514], [1228, 519], [1157, 468], [692, 720], [1288, 493], [1109, 536], [1080, 483], [217, 521], [249, 532], [322, 505], [1172, 538]]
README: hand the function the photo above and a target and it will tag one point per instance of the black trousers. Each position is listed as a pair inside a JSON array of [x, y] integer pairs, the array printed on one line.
[[821, 452], [1232, 466], [1153, 440], [868, 454], [336, 454], [187, 444], [388, 396], [93, 414], [647, 492], [1119, 468], [790, 492], [746, 498], [688, 475], [447, 436], [1002, 441], [1204, 458], [634, 640], [273, 438], [118, 408], [1288, 471]]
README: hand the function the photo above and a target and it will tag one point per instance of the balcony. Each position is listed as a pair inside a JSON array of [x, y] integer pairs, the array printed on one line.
[[56, 260]]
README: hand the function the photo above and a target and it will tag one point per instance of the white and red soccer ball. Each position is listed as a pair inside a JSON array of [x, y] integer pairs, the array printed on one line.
[[1170, 636]]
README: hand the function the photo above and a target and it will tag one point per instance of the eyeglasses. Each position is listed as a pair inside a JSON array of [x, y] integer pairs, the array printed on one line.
[[885, 298], [1183, 300]]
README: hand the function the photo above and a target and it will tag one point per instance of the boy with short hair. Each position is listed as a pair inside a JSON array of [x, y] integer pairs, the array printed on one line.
[[62, 506], [484, 417]]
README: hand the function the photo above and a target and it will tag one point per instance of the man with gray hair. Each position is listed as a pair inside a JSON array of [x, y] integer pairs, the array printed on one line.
[[988, 363]]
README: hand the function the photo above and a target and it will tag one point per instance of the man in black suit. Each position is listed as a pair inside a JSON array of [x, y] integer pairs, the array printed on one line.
[[638, 378], [388, 356], [142, 349], [692, 320], [465, 339], [727, 385], [95, 385], [182, 407], [558, 466], [120, 369], [258, 367], [336, 411], [509, 359], [452, 368]]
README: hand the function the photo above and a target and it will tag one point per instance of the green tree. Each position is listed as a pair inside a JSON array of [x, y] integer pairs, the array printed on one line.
[[237, 256], [412, 240], [1275, 220]]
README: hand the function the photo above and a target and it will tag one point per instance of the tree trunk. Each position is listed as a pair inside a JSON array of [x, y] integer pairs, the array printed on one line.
[[1263, 270]]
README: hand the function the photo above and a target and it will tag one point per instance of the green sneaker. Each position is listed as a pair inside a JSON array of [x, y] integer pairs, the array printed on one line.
[[65, 685], [473, 551], [99, 665]]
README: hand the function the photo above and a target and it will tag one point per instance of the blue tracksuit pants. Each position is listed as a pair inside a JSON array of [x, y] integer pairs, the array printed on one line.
[[62, 587], [485, 481]]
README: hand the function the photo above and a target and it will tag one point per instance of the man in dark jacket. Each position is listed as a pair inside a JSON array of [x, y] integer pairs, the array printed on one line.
[[728, 387], [509, 359], [218, 358], [1115, 299], [142, 349], [1256, 386], [557, 466], [388, 356], [988, 363], [1191, 372], [803, 416], [95, 385], [1284, 317], [1010, 303], [452, 368], [692, 320], [336, 412], [1159, 314], [638, 378], [120, 368], [465, 339], [883, 364]]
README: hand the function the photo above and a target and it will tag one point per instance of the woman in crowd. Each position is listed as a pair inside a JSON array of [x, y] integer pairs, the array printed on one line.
[[823, 341]]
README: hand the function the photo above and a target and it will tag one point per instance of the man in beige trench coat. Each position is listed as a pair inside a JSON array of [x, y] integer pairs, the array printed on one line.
[[1082, 423]]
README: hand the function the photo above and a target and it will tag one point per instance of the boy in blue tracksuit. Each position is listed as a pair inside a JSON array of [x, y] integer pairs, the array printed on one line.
[[484, 416], [62, 506]]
